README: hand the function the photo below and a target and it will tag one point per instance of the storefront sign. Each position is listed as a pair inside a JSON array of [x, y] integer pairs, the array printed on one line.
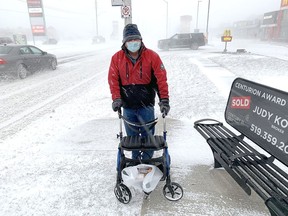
[[270, 18], [227, 32], [34, 3], [284, 3], [261, 113], [226, 38], [38, 30], [36, 14]]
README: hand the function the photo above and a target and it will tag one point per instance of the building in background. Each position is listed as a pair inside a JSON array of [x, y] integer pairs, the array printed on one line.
[[272, 26], [275, 24], [115, 31], [247, 28], [283, 21], [185, 24]]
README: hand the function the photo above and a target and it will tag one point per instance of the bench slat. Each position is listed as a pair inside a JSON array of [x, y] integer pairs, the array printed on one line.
[[246, 158]]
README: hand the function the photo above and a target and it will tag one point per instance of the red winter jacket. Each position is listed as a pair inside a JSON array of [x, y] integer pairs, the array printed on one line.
[[136, 84]]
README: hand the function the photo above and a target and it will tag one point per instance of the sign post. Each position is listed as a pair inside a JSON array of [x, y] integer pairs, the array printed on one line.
[[126, 9], [126, 12], [226, 38]]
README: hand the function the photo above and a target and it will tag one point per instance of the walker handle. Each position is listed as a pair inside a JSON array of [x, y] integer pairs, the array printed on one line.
[[164, 125], [120, 125], [119, 113]]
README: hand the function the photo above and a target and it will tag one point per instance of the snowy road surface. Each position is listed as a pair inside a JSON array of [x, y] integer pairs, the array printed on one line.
[[58, 135]]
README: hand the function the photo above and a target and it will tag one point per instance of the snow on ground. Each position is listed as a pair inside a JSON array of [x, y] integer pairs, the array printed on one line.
[[64, 163]]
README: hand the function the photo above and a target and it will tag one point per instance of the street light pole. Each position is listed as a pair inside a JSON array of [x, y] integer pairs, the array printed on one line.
[[166, 18], [96, 11], [197, 15], [207, 20]]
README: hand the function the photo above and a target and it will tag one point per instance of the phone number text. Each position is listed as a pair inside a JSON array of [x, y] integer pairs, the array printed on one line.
[[269, 138]]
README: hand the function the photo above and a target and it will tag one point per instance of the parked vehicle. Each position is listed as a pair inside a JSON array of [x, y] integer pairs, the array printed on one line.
[[185, 40], [50, 41], [19, 60], [6, 40], [98, 39]]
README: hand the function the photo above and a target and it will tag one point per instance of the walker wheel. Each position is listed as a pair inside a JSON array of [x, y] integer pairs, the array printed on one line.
[[122, 193], [173, 191]]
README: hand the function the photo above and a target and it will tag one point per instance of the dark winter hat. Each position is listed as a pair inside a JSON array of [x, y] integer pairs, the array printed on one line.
[[131, 32]]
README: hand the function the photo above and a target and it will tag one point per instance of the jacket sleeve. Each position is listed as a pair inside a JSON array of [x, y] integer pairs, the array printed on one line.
[[114, 78], [161, 76]]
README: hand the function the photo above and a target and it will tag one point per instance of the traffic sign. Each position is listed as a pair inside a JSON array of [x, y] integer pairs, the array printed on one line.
[[125, 11]]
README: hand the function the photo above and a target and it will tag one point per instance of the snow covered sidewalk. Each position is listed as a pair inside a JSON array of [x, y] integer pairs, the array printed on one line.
[[64, 163]]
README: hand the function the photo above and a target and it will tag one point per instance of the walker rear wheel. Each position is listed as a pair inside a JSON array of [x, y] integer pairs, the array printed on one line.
[[173, 191], [122, 193]]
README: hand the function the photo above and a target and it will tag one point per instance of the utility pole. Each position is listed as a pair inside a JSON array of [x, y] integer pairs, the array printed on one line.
[[207, 20], [197, 30], [166, 17], [96, 11]]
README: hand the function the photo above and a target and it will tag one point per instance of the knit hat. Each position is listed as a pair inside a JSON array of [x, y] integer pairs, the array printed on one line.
[[131, 32]]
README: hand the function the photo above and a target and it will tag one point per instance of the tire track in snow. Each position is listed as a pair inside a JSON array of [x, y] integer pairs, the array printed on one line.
[[49, 100], [221, 77], [61, 61]]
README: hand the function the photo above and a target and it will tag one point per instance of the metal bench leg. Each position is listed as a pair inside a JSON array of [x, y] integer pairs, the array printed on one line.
[[275, 207], [241, 182], [216, 163]]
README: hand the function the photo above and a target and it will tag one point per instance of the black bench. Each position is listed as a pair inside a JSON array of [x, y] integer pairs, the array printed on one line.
[[260, 115]]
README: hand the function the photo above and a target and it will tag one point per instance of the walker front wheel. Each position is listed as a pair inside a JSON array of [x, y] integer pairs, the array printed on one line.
[[122, 193], [173, 191]]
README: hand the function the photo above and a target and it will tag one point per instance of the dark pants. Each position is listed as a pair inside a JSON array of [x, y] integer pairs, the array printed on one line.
[[139, 116]]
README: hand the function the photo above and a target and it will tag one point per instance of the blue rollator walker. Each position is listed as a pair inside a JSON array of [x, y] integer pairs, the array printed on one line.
[[171, 190]]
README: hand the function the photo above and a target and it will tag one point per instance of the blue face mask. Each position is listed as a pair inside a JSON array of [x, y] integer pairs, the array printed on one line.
[[133, 46]]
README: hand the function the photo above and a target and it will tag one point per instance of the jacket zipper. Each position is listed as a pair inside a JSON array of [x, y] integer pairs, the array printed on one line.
[[141, 70], [127, 71]]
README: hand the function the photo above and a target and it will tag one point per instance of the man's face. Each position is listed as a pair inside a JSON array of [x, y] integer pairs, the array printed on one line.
[[133, 45]]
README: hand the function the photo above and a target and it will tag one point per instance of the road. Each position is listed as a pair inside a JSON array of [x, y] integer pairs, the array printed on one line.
[[24, 100], [58, 141]]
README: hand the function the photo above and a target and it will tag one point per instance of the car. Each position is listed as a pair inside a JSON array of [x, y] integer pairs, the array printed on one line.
[[50, 41], [183, 40], [6, 40], [98, 39], [19, 60]]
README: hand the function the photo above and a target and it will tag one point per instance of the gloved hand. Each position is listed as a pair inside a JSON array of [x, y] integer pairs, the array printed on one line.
[[164, 106], [117, 104]]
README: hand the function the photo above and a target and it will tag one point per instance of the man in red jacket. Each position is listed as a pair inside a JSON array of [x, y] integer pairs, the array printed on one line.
[[136, 74]]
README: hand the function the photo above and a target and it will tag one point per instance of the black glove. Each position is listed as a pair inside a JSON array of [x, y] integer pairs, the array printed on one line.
[[117, 104], [164, 106]]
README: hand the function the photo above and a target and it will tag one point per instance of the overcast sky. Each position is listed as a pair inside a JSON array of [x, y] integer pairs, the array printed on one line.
[[150, 15]]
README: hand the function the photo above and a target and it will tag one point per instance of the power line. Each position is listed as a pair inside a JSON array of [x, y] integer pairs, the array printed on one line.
[[61, 10], [13, 11], [46, 8]]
